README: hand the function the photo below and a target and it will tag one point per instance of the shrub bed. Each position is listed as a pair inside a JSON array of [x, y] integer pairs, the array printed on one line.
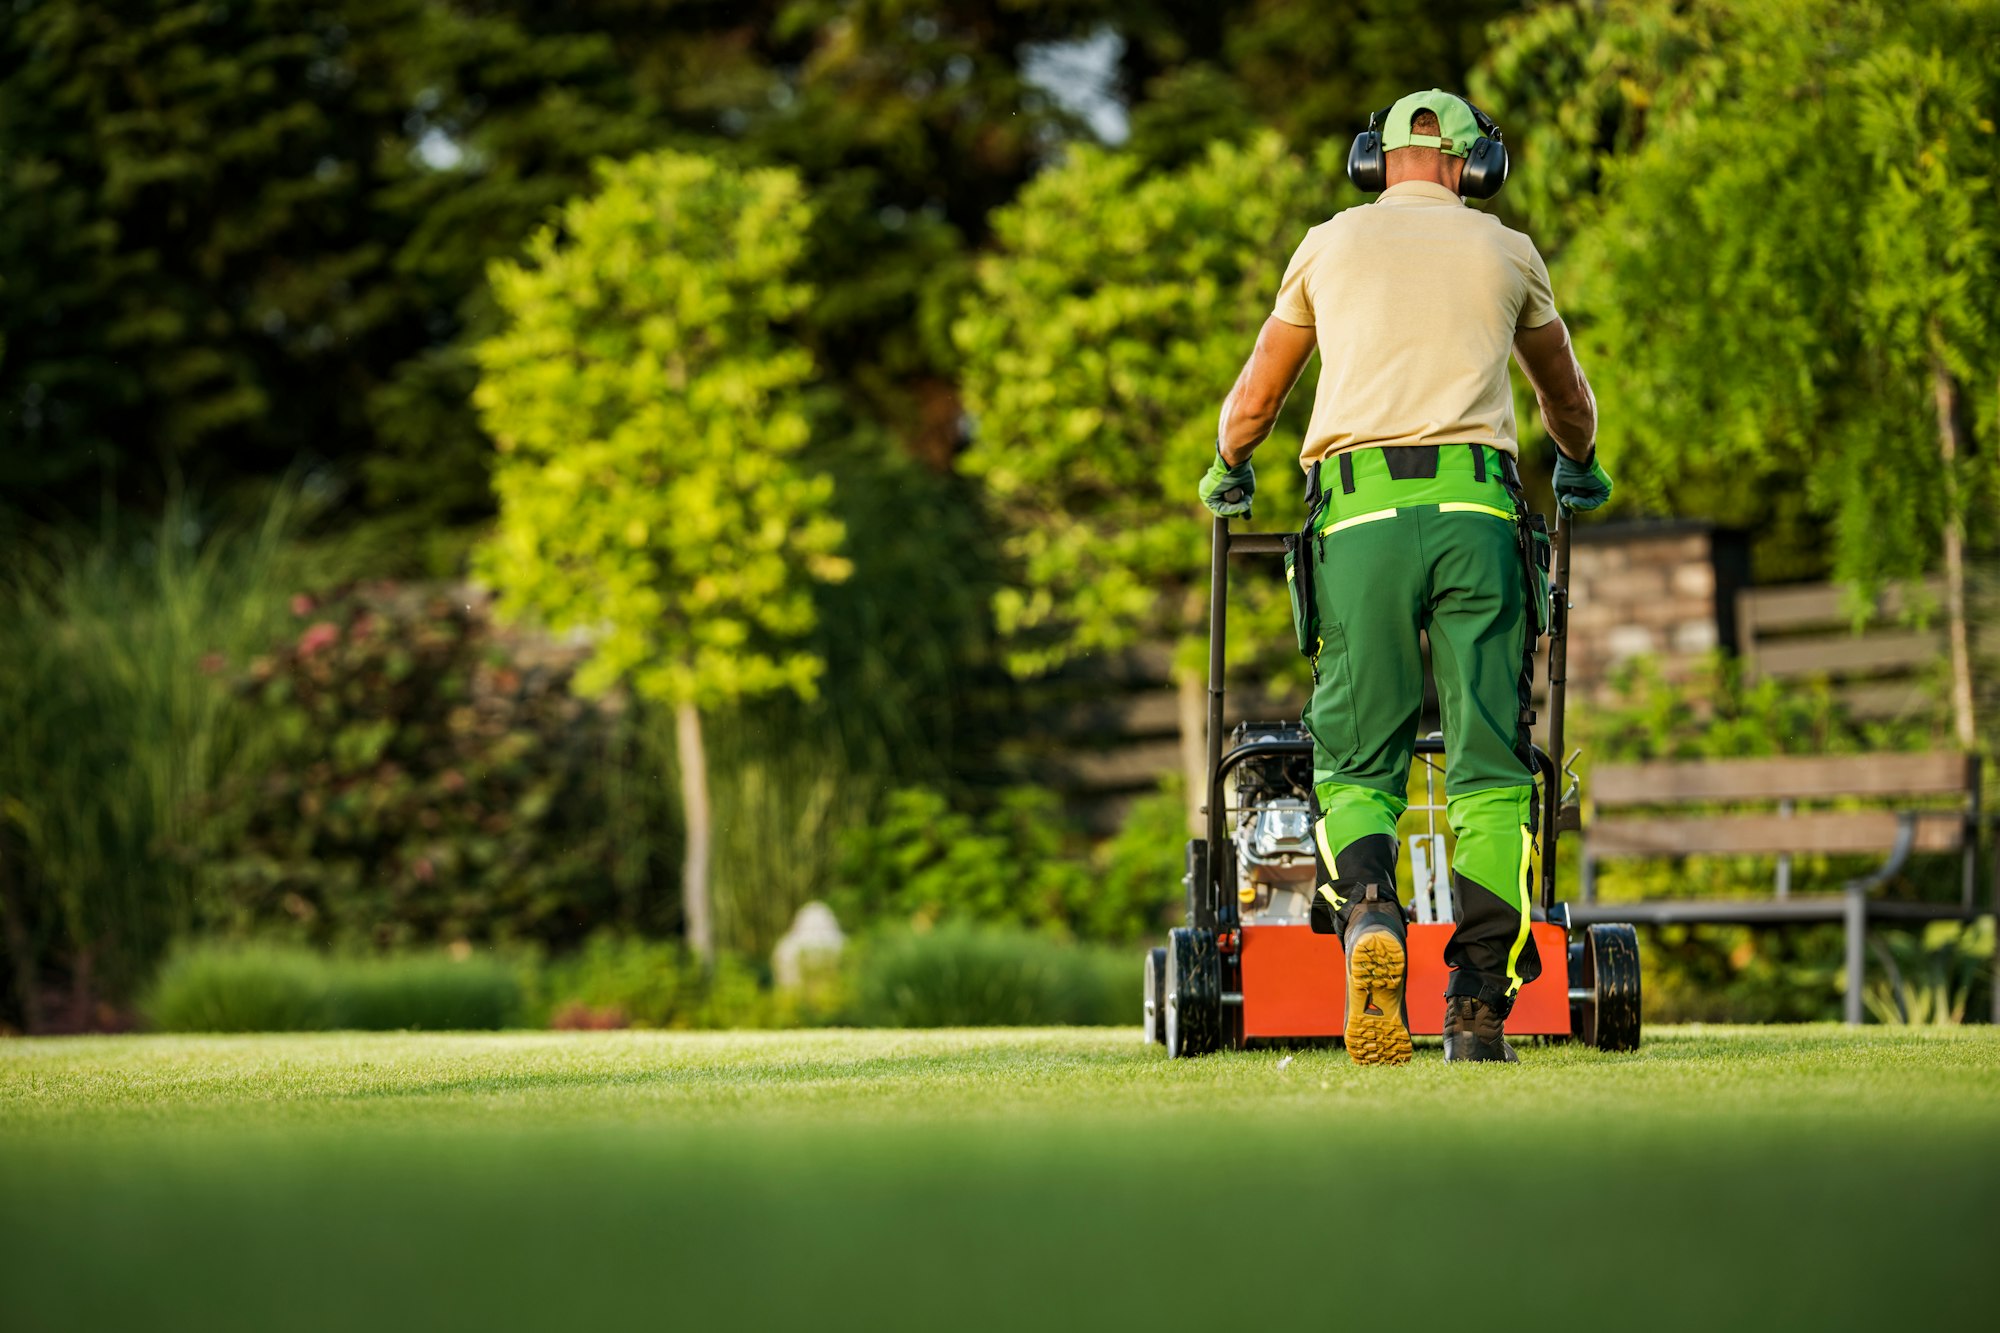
[[961, 974], [214, 987], [433, 780], [967, 975]]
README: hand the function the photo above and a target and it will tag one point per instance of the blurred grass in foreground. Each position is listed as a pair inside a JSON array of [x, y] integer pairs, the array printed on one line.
[[1718, 1179]]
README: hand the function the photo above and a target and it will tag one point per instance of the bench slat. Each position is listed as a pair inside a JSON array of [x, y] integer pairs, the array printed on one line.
[[1822, 832], [1850, 654], [1799, 778], [1739, 911], [1819, 605]]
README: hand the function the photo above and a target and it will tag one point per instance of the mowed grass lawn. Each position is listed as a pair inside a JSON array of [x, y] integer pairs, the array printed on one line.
[[1732, 1178]]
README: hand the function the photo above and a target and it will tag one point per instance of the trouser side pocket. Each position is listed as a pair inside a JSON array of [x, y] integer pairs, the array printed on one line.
[[1535, 561], [1299, 583]]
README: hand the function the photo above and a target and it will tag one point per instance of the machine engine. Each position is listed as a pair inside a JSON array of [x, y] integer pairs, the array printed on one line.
[[1270, 813]]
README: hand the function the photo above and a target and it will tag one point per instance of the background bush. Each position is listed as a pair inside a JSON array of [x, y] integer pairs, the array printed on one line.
[[966, 975], [432, 780], [254, 987], [1021, 861], [433, 990], [617, 981]]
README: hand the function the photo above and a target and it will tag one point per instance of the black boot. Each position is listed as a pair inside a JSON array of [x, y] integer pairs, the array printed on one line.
[[1378, 1020], [1475, 1030]]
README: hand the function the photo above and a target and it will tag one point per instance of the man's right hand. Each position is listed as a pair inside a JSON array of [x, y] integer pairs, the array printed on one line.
[[1227, 490], [1584, 485]]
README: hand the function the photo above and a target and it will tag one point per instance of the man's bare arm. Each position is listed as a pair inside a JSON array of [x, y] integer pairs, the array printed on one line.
[[1569, 409], [1252, 407]]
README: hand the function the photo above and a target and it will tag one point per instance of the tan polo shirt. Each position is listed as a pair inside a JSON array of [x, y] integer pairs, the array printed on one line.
[[1416, 299]]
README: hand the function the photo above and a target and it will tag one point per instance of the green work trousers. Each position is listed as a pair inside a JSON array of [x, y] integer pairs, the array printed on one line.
[[1410, 540]]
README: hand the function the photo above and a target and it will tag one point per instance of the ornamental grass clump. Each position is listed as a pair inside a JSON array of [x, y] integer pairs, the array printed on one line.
[[116, 722]]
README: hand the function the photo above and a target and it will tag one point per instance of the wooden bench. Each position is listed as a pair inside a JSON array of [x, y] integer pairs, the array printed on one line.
[[1806, 631], [1636, 817]]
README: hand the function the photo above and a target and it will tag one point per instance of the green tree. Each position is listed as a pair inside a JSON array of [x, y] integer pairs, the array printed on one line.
[[236, 236], [1108, 327], [193, 278], [1198, 70], [1781, 222], [650, 407]]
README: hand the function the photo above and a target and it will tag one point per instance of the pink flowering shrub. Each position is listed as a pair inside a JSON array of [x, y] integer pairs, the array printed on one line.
[[433, 780]]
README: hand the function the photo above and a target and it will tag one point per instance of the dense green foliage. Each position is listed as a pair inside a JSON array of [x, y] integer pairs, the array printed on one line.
[[260, 988], [1113, 316], [237, 235], [1021, 862], [430, 779]]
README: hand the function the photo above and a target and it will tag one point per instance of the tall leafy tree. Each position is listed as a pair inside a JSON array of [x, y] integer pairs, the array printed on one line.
[[649, 404], [1781, 223], [1109, 324], [193, 272], [241, 235], [1198, 70], [1931, 228]]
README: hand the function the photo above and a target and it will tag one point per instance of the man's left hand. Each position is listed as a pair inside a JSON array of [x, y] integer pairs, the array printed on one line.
[[1227, 490]]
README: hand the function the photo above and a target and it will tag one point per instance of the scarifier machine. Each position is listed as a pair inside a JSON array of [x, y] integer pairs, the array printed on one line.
[[1248, 968]]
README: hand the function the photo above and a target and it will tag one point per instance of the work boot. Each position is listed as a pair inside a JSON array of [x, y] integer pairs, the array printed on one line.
[[1475, 1030], [1378, 1022]]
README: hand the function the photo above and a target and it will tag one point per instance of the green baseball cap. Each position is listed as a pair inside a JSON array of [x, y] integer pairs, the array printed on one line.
[[1456, 127]]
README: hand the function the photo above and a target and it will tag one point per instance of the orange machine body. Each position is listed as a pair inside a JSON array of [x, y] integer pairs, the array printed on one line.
[[1295, 983]]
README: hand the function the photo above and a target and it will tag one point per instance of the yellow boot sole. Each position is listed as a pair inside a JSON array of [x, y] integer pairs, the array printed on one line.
[[1376, 1034]]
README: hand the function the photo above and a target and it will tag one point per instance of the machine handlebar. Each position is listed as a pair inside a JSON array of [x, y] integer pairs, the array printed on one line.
[[1271, 543]]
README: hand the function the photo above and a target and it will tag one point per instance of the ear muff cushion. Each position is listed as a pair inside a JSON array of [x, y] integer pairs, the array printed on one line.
[[1485, 169], [1366, 166]]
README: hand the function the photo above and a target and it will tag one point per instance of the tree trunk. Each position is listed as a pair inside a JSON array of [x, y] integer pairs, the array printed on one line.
[[1191, 693], [700, 923], [20, 956], [1945, 390]]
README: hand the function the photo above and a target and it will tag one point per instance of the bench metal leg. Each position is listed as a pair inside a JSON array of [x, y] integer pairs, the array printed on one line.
[[1857, 940], [1857, 908]]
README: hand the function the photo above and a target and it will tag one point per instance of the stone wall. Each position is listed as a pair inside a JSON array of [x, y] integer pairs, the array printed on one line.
[[1662, 589]]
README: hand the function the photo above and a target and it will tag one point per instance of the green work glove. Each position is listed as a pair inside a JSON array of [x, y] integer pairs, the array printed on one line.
[[1227, 490], [1584, 485]]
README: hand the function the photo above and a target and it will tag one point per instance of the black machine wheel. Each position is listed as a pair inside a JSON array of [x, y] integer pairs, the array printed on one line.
[[1604, 987], [1193, 1020], [1156, 991]]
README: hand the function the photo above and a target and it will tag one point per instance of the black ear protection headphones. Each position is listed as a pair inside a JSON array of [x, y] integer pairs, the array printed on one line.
[[1485, 166]]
